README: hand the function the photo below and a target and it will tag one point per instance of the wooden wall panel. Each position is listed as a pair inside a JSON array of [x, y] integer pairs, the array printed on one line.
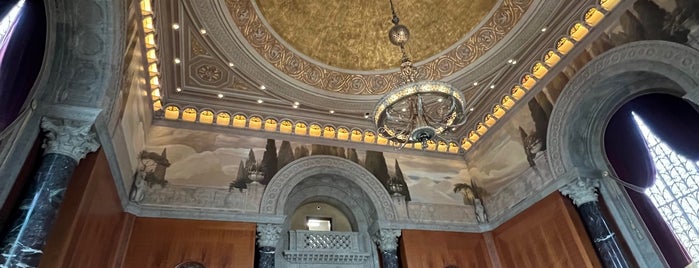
[[438, 249], [90, 224], [548, 234], [157, 242]]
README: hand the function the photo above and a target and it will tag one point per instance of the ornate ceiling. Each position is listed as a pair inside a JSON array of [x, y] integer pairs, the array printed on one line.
[[310, 70]]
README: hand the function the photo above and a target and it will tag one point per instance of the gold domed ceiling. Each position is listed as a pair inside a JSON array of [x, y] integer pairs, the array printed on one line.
[[354, 34]]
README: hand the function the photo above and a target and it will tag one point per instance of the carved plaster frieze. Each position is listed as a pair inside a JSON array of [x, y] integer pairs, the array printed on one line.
[[268, 234], [387, 239], [70, 138], [581, 190]]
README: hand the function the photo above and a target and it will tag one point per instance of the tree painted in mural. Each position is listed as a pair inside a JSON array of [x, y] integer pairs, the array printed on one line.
[[251, 171]]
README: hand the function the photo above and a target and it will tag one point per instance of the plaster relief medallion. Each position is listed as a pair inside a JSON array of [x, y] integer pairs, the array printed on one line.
[[209, 73]]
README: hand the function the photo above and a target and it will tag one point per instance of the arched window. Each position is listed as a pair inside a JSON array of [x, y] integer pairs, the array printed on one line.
[[7, 25], [675, 191]]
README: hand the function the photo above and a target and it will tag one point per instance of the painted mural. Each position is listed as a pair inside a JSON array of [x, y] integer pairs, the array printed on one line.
[[234, 163]]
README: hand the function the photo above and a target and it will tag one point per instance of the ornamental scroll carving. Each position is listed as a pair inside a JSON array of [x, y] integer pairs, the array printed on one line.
[[265, 43], [70, 138]]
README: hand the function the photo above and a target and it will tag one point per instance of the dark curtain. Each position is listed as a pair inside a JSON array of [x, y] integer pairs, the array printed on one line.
[[676, 122], [22, 59]]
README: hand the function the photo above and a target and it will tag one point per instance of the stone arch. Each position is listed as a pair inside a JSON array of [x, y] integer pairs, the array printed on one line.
[[278, 190], [580, 116]]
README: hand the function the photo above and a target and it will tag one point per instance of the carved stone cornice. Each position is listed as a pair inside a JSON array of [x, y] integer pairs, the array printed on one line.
[[268, 234], [387, 239], [581, 190], [67, 137]]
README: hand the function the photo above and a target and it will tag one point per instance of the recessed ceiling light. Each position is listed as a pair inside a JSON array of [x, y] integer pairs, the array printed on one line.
[[514, 62], [178, 89], [202, 31], [403, 109], [475, 83], [220, 95], [492, 86], [263, 87], [366, 115], [175, 26], [296, 103], [230, 64], [471, 109], [439, 100], [177, 61], [543, 29], [260, 101], [332, 111], [295, 106], [453, 129]]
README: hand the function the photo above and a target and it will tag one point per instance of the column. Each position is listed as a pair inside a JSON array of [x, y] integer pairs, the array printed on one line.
[[387, 240], [267, 238], [65, 143], [583, 192]]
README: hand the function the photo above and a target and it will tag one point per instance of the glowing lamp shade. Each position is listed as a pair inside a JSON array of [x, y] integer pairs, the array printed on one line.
[[255, 122], [301, 129], [381, 140], [189, 114], [608, 4], [343, 134], [539, 70], [286, 127], [465, 144], [498, 111], [148, 24], [356, 135], [442, 147], [223, 119], [239, 120], [507, 102], [315, 130], [593, 16], [564, 45], [151, 55], [551, 58], [481, 129], [431, 145], [329, 132], [578, 31], [369, 137], [270, 125], [473, 137], [150, 40], [206, 117], [528, 81], [517, 92], [489, 120], [172, 112]]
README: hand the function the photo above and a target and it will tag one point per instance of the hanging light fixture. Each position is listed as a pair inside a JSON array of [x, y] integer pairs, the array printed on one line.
[[416, 111]]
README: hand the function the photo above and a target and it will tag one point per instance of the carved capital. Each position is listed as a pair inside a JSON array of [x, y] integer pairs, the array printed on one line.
[[268, 234], [67, 137], [387, 239], [581, 190]]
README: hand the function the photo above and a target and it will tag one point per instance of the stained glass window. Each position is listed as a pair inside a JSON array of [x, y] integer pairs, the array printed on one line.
[[676, 190]]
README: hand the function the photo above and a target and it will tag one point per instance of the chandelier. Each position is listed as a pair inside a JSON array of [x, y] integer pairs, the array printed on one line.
[[416, 111]]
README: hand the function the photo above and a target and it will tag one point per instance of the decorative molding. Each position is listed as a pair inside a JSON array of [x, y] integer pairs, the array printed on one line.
[[581, 190], [251, 26], [279, 188], [66, 137], [268, 234], [387, 239], [570, 130]]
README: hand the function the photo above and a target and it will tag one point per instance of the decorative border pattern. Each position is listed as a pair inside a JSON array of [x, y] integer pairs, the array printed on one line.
[[263, 41], [677, 62]]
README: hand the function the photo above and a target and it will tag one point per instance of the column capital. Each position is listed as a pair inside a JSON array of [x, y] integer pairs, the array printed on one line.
[[68, 137], [268, 234], [581, 190], [387, 239]]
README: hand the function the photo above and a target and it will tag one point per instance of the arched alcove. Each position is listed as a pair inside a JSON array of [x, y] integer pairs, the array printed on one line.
[[580, 116], [338, 182]]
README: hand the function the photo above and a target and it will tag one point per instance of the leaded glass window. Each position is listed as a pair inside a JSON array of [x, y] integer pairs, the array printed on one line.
[[676, 190]]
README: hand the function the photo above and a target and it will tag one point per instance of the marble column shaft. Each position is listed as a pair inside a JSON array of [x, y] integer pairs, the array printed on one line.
[[387, 240], [267, 237], [66, 143], [583, 193]]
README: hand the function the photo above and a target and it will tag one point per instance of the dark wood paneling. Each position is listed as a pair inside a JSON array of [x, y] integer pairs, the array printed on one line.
[[548, 234], [90, 222], [157, 242], [438, 249]]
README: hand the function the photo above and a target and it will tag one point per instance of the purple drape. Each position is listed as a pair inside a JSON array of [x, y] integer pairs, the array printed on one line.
[[21, 60], [676, 122]]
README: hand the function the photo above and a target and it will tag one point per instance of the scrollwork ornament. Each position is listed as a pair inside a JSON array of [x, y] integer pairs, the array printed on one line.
[[67, 137], [387, 239], [268, 234], [581, 190]]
